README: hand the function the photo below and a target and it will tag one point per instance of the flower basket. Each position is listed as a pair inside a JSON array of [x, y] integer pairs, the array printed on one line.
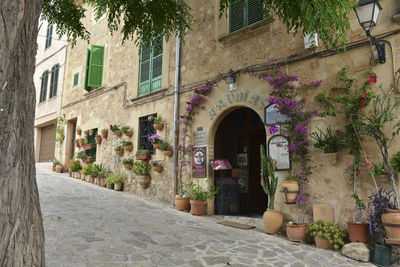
[[142, 156], [157, 168], [197, 207], [81, 143], [158, 126], [104, 134], [128, 148], [168, 153], [119, 152], [128, 166], [118, 132], [157, 145], [182, 203], [129, 133], [88, 159], [77, 143], [143, 181], [98, 139], [79, 131], [88, 146], [290, 190]]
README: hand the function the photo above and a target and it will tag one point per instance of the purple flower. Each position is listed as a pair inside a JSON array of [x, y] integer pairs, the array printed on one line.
[[292, 147], [315, 112], [273, 129]]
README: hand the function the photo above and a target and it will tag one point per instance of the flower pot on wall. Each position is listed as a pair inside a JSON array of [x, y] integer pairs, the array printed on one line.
[[197, 207], [88, 146], [88, 159], [129, 133], [273, 221], [81, 143], [118, 132], [158, 126], [143, 181], [292, 190], [331, 158], [142, 156], [182, 203], [297, 232], [128, 148], [119, 152], [391, 223], [358, 232], [79, 131], [104, 134], [98, 139], [157, 145], [128, 166], [77, 143], [157, 168], [322, 243], [168, 153]]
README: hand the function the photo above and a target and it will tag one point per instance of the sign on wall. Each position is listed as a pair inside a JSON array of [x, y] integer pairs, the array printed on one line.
[[199, 162], [278, 150], [272, 116], [200, 138]]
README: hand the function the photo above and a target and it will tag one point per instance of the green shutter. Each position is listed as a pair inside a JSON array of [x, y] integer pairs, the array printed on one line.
[[87, 69], [237, 15], [76, 79], [54, 81], [156, 64], [254, 11], [145, 68], [43, 88], [95, 76]]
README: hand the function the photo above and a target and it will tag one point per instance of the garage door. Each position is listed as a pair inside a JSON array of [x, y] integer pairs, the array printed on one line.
[[47, 144]]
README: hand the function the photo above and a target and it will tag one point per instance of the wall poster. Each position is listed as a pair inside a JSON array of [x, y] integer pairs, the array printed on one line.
[[272, 116], [199, 162], [278, 150]]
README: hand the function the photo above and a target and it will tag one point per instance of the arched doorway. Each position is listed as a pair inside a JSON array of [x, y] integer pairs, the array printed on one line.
[[238, 139]]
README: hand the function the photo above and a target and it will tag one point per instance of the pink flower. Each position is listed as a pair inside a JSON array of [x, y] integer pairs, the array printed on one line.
[[357, 172], [341, 105], [362, 103], [363, 95], [371, 167], [372, 79], [348, 162]]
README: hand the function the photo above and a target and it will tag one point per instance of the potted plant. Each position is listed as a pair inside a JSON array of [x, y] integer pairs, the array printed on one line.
[[128, 163], [297, 231], [127, 145], [98, 139], [88, 145], [272, 219], [104, 133], [117, 179], [157, 122], [87, 171], [81, 142], [77, 143], [379, 203], [59, 167], [198, 197], [156, 166], [395, 162], [141, 169], [166, 149], [55, 163], [119, 150], [155, 139], [75, 167], [127, 131], [329, 142], [100, 173], [86, 133], [91, 132], [142, 154], [116, 130], [81, 155], [326, 234], [358, 230], [79, 131], [290, 188]]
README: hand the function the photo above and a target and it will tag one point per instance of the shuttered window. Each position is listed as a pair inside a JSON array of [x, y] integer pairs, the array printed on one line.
[[94, 67], [76, 79], [43, 87], [49, 35], [54, 80], [150, 73], [243, 13]]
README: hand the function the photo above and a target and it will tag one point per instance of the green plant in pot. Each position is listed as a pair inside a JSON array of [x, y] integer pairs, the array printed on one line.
[[119, 150], [99, 171], [128, 162], [327, 234], [198, 196], [142, 154], [127, 131], [141, 169], [272, 219], [395, 162], [128, 146], [329, 141], [157, 122], [75, 167], [116, 179], [358, 229], [166, 149], [87, 171]]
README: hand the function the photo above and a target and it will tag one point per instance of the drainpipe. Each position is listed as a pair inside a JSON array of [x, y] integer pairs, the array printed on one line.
[[176, 99]]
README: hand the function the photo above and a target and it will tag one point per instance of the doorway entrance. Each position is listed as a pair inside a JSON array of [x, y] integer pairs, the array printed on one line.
[[238, 139]]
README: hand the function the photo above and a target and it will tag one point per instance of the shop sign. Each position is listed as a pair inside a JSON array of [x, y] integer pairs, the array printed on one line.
[[220, 164], [199, 162], [278, 150], [200, 138], [272, 116]]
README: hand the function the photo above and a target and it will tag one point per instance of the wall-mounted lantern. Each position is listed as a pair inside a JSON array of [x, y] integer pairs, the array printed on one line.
[[230, 79]]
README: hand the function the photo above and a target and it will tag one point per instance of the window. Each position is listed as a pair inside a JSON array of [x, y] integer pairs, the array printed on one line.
[[243, 13], [146, 129], [100, 10], [43, 87], [150, 73], [49, 35], [94, 67], [54, 80], [76, 79]]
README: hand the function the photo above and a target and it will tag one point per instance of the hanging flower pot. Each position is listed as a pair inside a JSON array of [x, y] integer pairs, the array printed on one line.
[[158, 126], [128, 148], [168, 153], [118, 132], [81, 142], [142, 154], [104, 133], [88, 159], [119, 152], [129, 133], [77, 143], [128, 166], [79, 131], [98, 139], [88, 146], [157, 168], [290, 190], [157, 145]]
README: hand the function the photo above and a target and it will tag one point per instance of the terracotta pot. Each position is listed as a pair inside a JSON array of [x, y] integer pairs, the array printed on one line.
[[322, 243], [331, 157], [98, 139], [157, 145], [91, 179], [168, 153], [103, 182], [158, 126], [88, 159], [273, 221], [77, 143], [81, 143], [129, 133], [297, 232], [88, 146], [53, 168], [117, 186], [197, 207], [128, 166], [157, 168], [291, 186], [144, 181], [118, 132], [128, 148], [358, 232], [83, 176], [70, 174], [181, 203], [119, 152], [142, 156], [79, 131], [77, 175], [104, 134], [392, 217]]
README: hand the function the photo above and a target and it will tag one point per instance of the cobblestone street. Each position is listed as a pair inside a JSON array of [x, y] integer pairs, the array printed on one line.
[[86, 225]]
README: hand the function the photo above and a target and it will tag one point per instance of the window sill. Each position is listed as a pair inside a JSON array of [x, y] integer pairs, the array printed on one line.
[[149, 97], [52, 98], [94, 91], [244, 32]]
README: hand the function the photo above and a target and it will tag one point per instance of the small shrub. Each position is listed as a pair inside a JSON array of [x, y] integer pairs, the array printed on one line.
[[165, 146], [329, 231], [124, 129], [141, 167], [127, 161]]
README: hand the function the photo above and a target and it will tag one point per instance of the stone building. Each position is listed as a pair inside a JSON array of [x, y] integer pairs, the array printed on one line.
[[48, 79], [108, 82]]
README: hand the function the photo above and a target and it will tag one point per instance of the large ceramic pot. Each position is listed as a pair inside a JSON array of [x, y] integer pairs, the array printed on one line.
[[77, 175], [83, 177], [331, 158], [296, 232], [181, 203], [53, 168], [59, 168], [117, 186], [292, 187], [129, 148], [358, 232], [118, 132], [197, 207], [322, 243], [91, 179], [79, 131], [87, 178], [273, 221], [144, 181], [391, 223], [104, 134], [158, 126]]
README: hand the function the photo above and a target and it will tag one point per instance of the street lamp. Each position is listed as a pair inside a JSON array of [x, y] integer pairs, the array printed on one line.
[[367, 15]]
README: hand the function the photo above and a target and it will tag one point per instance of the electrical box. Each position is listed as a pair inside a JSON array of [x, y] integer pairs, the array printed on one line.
[[310, 40]]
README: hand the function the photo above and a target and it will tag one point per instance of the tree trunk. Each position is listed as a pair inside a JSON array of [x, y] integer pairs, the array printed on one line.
[[21, 228]]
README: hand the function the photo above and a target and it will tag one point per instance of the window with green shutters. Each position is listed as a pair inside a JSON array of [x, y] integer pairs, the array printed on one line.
[[54, 80], [94, 67], [243, 13], [43, 87], [75, 80], [49, 35], [150, 73]]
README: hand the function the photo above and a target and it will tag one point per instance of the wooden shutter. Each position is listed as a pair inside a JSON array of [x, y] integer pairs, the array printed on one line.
[[95, 76], [145, 69], [156, 65], [254, 11], [43, 88], [49, 35], [87, 69], [54, 80], [237, 15]]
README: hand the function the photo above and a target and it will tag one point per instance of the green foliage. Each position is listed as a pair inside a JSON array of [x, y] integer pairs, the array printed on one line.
[[165, 146], [330, 19], [124, 129], [55, 162], [75, 166], [330, 141], [100, 171], [115, 178], [127, 161], [118, 148], [155, 163], [329, 231], [88, 169], [126, 143], [292, 178], [378, 168], [395, 161], [60, 130], [155, 119], [196, 192], [141, 168], [81, 155], [269, 181], [139, 151], [104, 130]]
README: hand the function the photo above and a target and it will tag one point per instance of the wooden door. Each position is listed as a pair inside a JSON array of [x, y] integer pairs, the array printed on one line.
[[47, 144]]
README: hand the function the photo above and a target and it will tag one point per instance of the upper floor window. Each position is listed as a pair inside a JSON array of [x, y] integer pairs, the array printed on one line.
[[49, 35], [54, 80], [150, 73], [243, 13], [94, 67], [43, 87]]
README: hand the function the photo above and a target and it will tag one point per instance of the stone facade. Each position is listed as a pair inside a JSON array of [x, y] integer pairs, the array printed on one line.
[[208, 50]]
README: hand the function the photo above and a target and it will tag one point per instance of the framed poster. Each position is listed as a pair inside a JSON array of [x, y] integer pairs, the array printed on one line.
[[278, 150], [199, 162], [272, 116]]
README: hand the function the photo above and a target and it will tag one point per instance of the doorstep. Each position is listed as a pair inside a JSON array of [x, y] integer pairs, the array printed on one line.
[[257, 222]]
